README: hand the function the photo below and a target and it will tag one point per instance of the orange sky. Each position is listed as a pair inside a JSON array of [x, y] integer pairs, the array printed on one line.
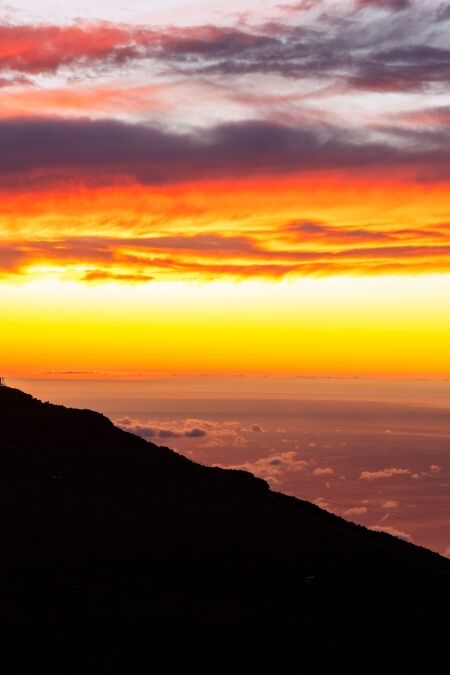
[[197, 200]]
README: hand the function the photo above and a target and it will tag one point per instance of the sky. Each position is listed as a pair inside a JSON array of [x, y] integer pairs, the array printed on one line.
[[259, 189]]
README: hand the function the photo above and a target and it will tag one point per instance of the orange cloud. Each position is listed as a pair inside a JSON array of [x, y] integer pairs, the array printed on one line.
[[323, 471], [390, 504], [273, 228], [384, 473], [355, 511], [210, 256]]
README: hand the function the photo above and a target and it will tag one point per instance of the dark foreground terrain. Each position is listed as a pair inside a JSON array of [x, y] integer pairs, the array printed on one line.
[[119, 557]]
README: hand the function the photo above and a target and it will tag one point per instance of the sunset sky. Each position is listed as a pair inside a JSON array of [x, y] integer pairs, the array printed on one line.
[[217, 188]]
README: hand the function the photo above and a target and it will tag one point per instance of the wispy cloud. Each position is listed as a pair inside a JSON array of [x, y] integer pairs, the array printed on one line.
[[307, 250], [90, 106], [355, 511], [384, 473], [353, 48]]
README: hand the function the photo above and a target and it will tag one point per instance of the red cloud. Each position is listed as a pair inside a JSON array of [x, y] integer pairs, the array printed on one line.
[[41, 49], [45, 49]]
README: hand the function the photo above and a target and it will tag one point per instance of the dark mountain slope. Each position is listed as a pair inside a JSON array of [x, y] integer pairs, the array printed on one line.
[[118, 556]]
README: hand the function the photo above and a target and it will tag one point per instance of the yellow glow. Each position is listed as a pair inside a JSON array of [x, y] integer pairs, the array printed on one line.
[[320, 275], [333, 326], [259, 229]]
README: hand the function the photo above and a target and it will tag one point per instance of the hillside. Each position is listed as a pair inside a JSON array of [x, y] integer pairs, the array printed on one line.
[[122, 557]]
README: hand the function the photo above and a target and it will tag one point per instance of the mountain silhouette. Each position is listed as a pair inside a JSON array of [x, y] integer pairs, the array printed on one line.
[[119, 557]]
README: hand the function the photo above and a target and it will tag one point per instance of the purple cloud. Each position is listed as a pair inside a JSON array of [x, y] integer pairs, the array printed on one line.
[[39, 150]]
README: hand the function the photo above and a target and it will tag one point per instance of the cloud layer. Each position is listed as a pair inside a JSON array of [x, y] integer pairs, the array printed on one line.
[[231, 129], [369, 49], [102, 151]]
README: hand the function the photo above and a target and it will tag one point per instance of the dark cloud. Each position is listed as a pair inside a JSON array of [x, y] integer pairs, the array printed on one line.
[[403, 68], [44, 49], [196, 432], [395, 5], [160, 430], [256, 428], [443, 12], [342, 49], [106, 151]]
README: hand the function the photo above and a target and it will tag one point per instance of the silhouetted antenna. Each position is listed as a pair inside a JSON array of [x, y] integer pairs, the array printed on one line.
[[2, 382]]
